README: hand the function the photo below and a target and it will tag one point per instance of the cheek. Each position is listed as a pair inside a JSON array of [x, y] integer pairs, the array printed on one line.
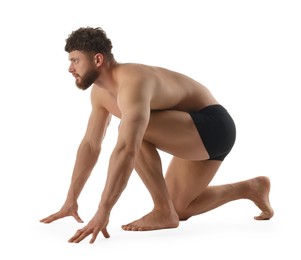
[[79, 70]]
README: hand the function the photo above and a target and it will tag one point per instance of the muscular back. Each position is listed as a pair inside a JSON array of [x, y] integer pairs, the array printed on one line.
[[169, 90]]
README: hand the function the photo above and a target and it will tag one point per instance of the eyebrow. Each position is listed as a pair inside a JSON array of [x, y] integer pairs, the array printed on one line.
[[73, 59]]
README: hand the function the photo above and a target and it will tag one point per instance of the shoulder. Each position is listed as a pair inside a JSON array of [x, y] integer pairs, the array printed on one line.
[[99, 97], [135, 85], [134, 76], [130, 67], [133, 72]]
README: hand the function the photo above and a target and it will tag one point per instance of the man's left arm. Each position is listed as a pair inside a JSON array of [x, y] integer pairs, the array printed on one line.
[[134, 104], [135, 110]]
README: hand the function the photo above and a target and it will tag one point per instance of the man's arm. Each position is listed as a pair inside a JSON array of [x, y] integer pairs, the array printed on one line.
[[135, 108], [88, 152], [87, 156], [134, 103]]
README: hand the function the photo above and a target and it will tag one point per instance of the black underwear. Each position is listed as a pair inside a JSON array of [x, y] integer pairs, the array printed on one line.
[[217, 130]]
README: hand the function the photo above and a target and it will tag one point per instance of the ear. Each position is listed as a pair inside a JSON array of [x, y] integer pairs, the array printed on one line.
[[98, 59]]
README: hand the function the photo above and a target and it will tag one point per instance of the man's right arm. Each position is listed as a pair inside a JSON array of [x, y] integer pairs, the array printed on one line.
[[87, 156], [88, 152]]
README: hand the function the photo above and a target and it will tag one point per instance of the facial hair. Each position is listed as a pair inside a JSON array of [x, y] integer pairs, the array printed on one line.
[[87, 79]]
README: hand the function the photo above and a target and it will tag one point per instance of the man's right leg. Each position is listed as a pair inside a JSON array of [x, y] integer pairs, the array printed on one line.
[[187, 183]]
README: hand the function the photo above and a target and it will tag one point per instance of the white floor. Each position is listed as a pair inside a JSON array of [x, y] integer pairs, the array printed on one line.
[[228, 231]]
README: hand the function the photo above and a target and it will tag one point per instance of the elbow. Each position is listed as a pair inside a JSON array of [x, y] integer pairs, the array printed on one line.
[[93, 150], [126, 151], [125, 156]]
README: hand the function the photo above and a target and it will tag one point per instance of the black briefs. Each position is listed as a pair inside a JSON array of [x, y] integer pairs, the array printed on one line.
[[217, 130]]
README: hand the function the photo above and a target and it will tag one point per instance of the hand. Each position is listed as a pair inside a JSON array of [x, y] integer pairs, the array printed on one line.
[[98, 223], [68, 209]]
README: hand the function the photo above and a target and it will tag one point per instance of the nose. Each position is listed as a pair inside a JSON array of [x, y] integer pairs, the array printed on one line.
[[71, 69]]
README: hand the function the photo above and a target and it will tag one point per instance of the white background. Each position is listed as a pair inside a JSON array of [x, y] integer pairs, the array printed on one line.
[[246, 52]]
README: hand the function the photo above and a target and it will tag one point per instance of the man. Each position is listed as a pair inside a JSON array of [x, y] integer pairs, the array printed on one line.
[[159, 109]]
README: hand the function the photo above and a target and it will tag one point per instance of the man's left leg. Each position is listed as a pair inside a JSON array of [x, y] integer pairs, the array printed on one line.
[[148, 166]]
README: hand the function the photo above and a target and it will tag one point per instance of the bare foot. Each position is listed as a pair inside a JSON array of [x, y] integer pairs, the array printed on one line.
[[259, 194], [153, 221]]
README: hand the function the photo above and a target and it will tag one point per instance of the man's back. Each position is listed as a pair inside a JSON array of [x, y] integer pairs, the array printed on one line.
[[169, 90]]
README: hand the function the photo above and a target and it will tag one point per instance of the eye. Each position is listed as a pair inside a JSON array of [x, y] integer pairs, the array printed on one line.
[[75, 61]]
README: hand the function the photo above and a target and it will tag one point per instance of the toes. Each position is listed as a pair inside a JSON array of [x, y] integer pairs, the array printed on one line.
[[132, 227], [125, 227], [129, 227], [263, 216]]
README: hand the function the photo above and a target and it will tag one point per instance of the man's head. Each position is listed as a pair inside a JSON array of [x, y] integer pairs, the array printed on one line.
[[87, 48], [89, 40]]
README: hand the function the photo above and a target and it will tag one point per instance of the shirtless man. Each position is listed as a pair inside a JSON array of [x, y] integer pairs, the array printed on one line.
[[159, 109]]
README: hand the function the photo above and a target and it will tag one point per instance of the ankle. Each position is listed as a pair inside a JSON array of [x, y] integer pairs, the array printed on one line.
[[167, 209]]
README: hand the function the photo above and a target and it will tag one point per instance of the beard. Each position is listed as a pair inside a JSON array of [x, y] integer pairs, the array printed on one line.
[[87, 79]]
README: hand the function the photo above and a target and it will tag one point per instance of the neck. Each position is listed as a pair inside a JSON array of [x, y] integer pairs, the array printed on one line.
[[105, 78]]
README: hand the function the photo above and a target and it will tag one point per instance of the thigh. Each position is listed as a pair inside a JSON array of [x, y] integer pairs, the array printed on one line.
[[175, 133], [186, 180]]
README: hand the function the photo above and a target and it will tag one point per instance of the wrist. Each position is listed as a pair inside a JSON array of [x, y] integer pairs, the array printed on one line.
[[71, 200], [104, 207]]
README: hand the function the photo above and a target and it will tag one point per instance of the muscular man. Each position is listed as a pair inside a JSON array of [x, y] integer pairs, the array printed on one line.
[[159, 109]]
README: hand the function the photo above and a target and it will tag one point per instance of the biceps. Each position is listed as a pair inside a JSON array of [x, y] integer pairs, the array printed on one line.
[[131, 132]]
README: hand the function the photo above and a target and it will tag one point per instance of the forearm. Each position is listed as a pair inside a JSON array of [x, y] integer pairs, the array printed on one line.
[[85, 161], [120, 168]]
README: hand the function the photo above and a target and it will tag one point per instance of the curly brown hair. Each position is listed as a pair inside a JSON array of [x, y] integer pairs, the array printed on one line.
[[91, 40]]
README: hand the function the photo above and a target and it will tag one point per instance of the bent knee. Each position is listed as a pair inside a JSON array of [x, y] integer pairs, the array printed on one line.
[[181, 209]]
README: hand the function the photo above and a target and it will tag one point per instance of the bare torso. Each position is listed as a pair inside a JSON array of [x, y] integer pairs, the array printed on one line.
[[169, 90]]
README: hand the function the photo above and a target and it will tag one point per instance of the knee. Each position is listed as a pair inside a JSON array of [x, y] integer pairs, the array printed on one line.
[[179, 203], [181, 209]]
